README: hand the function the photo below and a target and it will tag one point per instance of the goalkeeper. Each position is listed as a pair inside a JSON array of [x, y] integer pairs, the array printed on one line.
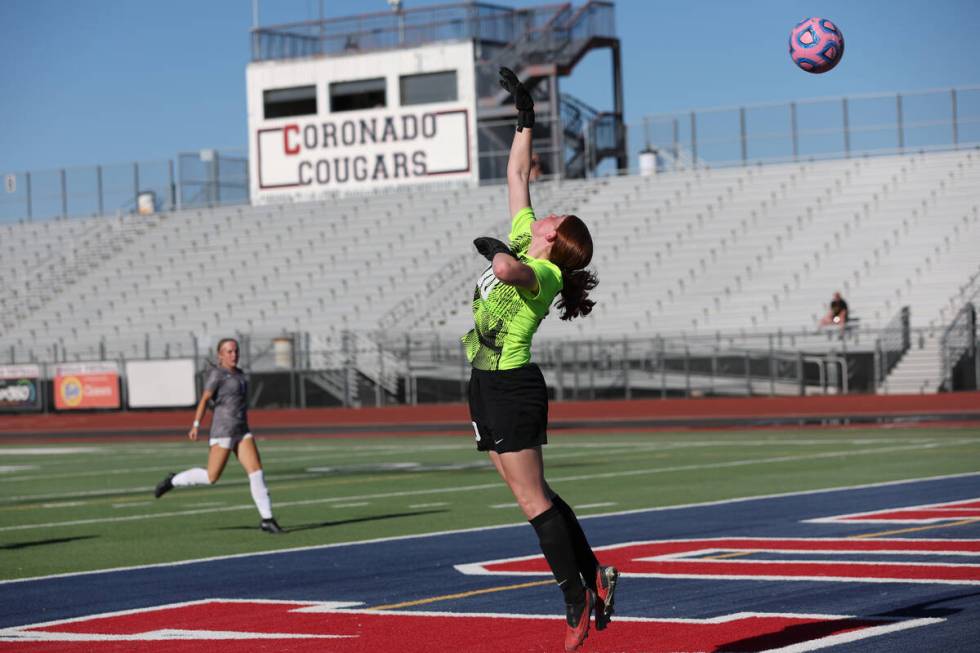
[[508, 398]]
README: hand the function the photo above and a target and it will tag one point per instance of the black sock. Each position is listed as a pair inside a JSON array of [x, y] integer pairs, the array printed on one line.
[[556, 544], [584, 557]]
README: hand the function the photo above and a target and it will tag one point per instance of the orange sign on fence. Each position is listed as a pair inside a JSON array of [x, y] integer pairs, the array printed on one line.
[[86, 385]]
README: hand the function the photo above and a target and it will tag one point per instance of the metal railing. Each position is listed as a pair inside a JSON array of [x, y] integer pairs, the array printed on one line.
[[87, 190], [895, 340], [490, 25], [205, 178], [959, 344], [345, 368], [823, 128], [396, 29], [212, 178]]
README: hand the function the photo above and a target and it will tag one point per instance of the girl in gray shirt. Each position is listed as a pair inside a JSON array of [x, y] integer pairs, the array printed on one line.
[[227, 387]]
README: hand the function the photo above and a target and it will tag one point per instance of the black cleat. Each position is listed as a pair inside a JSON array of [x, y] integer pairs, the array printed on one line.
[[165, 485], [271, 526], [606, 579]]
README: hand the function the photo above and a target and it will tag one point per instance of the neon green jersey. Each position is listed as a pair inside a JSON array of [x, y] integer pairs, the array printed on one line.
[[505, 316]]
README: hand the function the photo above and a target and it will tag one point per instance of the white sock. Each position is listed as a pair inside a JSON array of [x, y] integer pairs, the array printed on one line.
[[260, 494], [193, 476]]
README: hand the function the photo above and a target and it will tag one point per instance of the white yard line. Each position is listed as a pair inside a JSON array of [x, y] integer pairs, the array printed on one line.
[[332, 454], [485, 486], [396, 538]]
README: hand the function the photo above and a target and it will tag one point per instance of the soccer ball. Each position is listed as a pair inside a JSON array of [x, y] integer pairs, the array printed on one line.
[[816, 45]]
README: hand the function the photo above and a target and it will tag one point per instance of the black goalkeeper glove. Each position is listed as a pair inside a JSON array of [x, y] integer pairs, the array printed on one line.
[[490, 247], [522, 99]]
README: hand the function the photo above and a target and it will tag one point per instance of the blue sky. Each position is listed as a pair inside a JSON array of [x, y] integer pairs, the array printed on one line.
[[107, 81]]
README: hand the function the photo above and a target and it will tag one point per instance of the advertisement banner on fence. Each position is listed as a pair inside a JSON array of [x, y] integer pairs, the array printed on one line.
[[20, 388], [86, 385], [159, 384]]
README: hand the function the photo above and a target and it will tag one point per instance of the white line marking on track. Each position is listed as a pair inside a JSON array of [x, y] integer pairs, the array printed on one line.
[[335, 453], [11, 469], [268, 460], [47, 451], [477, 529], [130, 490]]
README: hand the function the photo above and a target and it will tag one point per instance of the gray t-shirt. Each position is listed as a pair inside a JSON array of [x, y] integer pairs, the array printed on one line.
[[229, 392]]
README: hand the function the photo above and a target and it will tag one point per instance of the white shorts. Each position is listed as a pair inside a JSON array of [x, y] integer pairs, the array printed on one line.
[[228, 443]]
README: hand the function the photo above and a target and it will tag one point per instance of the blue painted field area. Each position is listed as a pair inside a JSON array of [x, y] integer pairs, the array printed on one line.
[[929, 612]]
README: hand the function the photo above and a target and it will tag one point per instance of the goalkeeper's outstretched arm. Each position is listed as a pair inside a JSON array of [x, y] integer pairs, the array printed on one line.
[[519, 163], [519, 172]]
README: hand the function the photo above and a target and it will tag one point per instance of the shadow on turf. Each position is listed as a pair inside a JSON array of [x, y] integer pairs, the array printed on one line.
[[926, 610], [339, 522], [59, 540], [806, 632]]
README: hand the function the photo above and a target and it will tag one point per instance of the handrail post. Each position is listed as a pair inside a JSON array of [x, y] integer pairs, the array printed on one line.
[[901, 123], [136, 186], [99, 193], [794, 131], [956, 127], [687, 371], [626, 368], [30, 203], [748, 373], [64, 193], [771, 365], [743, 134], [800, 372], [694, 140], [559, 374]]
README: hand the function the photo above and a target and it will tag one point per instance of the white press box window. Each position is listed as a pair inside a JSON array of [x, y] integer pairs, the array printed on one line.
[[358, 95], [284, 102], [428, 87]]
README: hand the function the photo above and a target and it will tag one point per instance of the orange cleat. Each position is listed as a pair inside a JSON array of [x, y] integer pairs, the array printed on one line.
[[577, 616]]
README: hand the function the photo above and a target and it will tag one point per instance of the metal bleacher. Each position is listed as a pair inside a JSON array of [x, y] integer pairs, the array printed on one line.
[[737, 251]]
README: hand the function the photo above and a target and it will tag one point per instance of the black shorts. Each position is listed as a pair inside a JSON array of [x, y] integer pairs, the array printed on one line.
[[509, 408]]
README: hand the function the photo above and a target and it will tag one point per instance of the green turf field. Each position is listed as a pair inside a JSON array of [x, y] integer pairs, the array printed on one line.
[[89, 505]]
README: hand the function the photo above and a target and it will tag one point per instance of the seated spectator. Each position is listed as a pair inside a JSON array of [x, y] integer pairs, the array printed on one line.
[[837, 313]]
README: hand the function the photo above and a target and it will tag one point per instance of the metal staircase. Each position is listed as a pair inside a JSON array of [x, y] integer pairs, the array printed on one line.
[[591, 136], [573, 137]]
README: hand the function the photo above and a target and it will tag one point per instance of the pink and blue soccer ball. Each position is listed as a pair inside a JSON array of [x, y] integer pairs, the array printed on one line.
[[816, 45]]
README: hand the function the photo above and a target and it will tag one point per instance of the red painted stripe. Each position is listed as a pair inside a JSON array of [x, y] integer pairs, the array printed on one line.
[[414, 633], [910, 514], [633, 559]]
